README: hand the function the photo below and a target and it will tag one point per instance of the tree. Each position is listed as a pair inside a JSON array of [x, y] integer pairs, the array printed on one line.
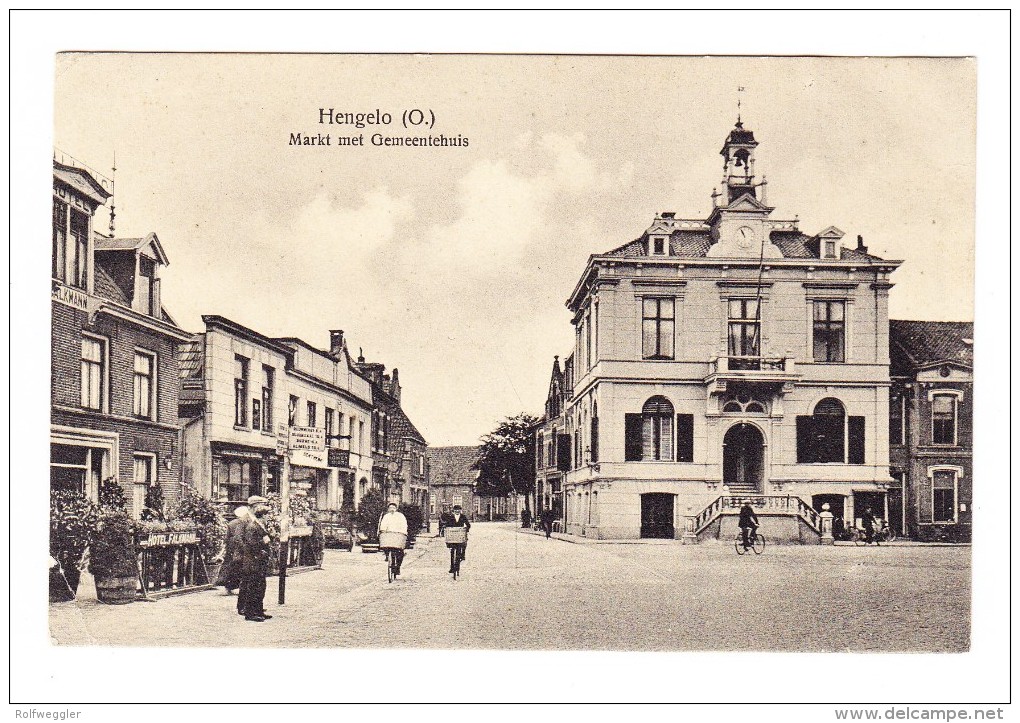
[[506, 461]]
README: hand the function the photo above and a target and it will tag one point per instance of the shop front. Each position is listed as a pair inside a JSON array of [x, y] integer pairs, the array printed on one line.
[[239, 472], [80, 459], [311, 475]]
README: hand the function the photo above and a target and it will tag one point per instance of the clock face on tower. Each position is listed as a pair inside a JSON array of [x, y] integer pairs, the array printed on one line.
[[745, 237]]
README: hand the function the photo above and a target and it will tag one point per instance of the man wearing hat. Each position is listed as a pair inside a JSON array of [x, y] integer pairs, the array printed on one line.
[[458, 519], [255, 555], [230, 573]]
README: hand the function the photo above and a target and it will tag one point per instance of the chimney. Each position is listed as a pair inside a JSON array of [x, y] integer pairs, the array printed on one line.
[[336, 342], [395, 385], [860, 244], [361, 356]]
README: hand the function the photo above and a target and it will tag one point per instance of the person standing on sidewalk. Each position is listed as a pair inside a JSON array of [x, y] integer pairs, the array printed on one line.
[[255, 557], [547, 518], [230, 573]]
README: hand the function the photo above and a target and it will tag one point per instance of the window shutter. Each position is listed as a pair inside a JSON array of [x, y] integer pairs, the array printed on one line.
[[632, 438], [563, 453], [805, 439], [685, 438], [856, 440]]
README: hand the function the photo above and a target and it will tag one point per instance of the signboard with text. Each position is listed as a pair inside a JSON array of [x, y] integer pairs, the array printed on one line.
[[309, 439], [339, 458]]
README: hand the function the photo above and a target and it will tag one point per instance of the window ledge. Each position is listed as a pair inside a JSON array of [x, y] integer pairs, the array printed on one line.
[[239, 428]]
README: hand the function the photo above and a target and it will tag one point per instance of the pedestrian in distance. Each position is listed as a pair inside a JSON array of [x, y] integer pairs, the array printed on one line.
[[869, 522], [748, 522], [230, 573], [255, 557], [547, 517], [526, 518], [393, 520], [458, 519]]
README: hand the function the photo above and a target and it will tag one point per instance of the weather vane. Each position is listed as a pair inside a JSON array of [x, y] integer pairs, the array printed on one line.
[[740, 89]]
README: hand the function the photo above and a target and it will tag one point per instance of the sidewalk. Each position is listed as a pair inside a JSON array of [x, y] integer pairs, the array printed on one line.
[[577, 540]]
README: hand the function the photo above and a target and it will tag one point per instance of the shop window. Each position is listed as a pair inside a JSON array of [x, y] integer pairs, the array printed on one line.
[[657, 328], [144, 385], [829, 435], [943, 419], [829, 331], [93, 373]]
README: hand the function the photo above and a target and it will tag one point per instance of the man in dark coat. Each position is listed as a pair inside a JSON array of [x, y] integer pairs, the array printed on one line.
[[230, 573], [548, 516], [457, 519], [255, 566], [869, 522], [748, 522]]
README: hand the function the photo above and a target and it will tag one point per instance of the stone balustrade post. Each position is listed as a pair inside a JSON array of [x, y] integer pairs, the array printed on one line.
[[690, 536], [825, 517]]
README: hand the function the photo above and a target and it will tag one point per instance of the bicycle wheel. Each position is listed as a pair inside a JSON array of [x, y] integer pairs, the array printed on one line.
[[889, 535], [738, 544], [758, 545], [857, 536]]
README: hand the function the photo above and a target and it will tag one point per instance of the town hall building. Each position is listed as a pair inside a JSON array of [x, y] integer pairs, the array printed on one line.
[[727, 358]]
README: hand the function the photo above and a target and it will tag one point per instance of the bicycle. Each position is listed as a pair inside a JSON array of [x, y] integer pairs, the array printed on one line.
[[456, 540], [755, 542], [860, 537], [392, 543]]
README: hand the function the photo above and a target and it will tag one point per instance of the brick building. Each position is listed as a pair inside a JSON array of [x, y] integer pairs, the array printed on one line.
[[453, 479], [113, 352], [727, 357], [931, 438], [552, 455], [401, 469]]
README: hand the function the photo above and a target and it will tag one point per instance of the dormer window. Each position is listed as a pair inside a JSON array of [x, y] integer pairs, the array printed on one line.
[[829, 250], [658, 245], [146, 297], [70, 245]]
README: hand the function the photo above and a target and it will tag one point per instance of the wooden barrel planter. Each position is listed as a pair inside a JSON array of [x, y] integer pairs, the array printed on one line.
[[116, 590]]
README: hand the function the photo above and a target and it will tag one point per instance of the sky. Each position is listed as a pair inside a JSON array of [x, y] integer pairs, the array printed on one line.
[[453, 264]]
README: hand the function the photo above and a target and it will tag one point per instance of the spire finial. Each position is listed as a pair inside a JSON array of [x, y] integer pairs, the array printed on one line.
[[113, 197], [740, 89]]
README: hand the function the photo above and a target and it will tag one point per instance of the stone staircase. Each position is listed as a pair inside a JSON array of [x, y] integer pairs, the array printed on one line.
[[782, 518]]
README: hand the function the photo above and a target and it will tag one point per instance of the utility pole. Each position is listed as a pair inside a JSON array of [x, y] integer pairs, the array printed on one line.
[[284, 527]]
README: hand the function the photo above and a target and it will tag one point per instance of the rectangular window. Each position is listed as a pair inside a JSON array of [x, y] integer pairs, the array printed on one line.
[[744, 326], [144, 477], [897, 433], [657, 437], [943, 419], [657, 328], [361, 434], [78, 250], [240, 391], [595, 332], [328, 422], [432, 504], [551, 460], [539, 450], [59, 240], [311, 414], [256, 414], [458, 500], [292, 405], [267, 398], [145, 373], [944, 496], [829, 331], [594, 439], [93, 373], [587, 342]]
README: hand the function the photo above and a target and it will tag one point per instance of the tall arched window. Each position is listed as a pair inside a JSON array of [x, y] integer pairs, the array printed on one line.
[[829, 435], [594, 435], [656, 430]]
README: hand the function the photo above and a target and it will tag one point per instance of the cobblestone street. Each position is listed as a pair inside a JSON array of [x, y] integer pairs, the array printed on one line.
[[521, 591]]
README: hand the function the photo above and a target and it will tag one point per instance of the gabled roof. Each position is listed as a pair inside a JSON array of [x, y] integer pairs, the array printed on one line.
[[82, 181], [104, 243], [453, 465], [917, 344], [401, 425]]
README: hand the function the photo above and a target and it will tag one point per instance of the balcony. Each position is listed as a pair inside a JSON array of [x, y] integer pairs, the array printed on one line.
[[775, 371]]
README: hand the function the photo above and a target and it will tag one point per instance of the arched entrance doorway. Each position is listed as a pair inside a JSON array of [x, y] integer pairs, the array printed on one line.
[[743, 458]]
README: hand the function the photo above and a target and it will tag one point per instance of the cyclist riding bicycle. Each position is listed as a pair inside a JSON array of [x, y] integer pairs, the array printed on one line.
[[394, 521], [457, 519], [748, 523]]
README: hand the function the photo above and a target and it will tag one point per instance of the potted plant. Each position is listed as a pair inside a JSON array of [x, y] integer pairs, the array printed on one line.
[[113, 561], [72, 525], [207, 519]]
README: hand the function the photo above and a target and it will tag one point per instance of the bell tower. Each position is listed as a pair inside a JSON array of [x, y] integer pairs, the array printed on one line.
[[738, 163]]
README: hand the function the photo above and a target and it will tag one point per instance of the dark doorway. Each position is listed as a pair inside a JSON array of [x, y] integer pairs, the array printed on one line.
[[657, 515], [874, 500], [743, 458], [836, 507], [895, 521]]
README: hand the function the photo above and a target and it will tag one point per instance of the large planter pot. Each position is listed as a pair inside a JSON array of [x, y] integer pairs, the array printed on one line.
[[116, 590]]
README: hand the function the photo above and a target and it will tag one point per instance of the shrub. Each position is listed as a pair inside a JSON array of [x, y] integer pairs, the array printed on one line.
[[113, 546], [155, 507], [73, 521], [195, 510], [369, 511], [111, 495]]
